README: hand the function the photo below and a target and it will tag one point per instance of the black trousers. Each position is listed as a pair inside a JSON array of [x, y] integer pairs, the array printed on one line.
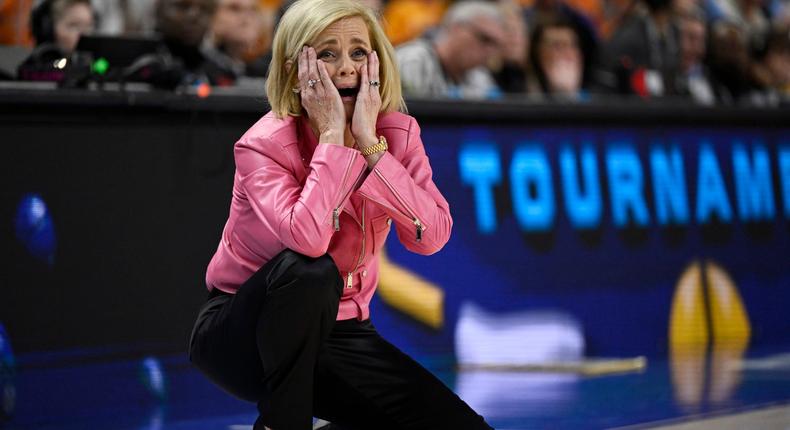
[[276, 343]]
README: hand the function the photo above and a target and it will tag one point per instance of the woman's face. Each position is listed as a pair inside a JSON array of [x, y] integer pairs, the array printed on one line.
[[185, 20], [344, 48], [561, 59], [478, 42], [76, 20], [237, 22]]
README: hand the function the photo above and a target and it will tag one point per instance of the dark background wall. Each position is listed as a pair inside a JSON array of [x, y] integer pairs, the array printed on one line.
[[138, 198]]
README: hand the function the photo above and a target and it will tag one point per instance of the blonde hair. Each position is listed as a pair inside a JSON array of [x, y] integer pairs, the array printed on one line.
[[299, 26]]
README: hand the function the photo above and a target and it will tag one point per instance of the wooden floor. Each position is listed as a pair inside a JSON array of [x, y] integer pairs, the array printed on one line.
[[768, 418]]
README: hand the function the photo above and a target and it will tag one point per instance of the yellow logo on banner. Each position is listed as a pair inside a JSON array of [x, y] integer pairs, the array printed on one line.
[[410, 294], [707, 311]]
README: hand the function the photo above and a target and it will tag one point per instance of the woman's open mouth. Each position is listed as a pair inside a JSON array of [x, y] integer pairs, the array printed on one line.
[[348, 94]]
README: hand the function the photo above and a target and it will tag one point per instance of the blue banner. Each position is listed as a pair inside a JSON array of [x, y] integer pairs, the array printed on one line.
[[618, 232]]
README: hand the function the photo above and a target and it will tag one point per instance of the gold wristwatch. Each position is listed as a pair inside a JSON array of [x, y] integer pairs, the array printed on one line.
[[379, 147]]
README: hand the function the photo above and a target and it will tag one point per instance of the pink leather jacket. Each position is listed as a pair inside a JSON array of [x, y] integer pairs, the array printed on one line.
[[291, 192]]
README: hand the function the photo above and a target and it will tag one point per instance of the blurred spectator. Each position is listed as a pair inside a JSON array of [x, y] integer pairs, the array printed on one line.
[[61, 22], [772, 69], [56, 26], [730, 63], [587, 38], [263, 46], [405, 20], [557, 60], [125, 16], [693, 75], [643, 54], [452, 62], [604, 16], [780, 12], [750, 15], [15, 22], [688, 7], [511, 72], [234, 33], [183, 24]]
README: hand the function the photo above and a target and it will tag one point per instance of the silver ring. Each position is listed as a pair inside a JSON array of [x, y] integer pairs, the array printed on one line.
[[374, 83], [311, 82]]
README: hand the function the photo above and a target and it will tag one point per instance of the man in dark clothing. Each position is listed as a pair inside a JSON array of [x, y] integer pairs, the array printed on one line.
[[182, 25], [643, 54]]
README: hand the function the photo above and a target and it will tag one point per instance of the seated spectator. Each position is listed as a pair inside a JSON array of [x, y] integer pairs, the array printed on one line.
[[117, 17], [779, 12], [730, 63], [772, 69], [643, 54], [61, 22], [557, 60], [605, 15], [452, 63], [234, 32], [693, 75], [56, 26], [543, 10], [260, 53], [511, 72], [750, 15], [183, 24]]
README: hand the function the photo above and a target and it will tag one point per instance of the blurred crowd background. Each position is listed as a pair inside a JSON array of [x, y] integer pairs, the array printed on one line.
[[710, 52]]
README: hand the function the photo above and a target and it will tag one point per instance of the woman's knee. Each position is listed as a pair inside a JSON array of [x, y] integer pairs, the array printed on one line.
[[309, 273], [321, 270]]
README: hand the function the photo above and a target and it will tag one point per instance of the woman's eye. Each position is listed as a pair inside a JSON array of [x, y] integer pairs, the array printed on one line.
[[326, 55], [359, 53]]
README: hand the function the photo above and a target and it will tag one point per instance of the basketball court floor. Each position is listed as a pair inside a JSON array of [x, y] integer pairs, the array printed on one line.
[[119, 389]]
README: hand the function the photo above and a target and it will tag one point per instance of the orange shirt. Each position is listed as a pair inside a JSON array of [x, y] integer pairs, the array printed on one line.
[[15, 22], [406, 19]]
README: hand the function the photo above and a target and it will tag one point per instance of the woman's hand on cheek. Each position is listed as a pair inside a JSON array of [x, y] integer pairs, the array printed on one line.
[[368, 104], [320, 98]]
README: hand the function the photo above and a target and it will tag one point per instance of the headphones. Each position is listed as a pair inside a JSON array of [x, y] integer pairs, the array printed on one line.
[[41, 22]]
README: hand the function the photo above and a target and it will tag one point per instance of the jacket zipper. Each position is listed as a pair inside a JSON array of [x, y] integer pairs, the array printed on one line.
[[336, 210], [350, 278], [417, 224]]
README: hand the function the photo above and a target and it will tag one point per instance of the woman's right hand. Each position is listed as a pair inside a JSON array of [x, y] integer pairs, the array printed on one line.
[[321, 100]]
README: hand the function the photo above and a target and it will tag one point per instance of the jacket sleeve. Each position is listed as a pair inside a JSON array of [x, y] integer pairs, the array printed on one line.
[[405, 190], [301, 216]]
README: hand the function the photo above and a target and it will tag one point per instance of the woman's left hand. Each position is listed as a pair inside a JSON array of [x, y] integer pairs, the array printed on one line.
[[368, 104]]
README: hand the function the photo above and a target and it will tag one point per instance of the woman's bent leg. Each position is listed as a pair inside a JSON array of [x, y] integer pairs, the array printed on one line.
[[295, 320], [364, 382], [260, 344]]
